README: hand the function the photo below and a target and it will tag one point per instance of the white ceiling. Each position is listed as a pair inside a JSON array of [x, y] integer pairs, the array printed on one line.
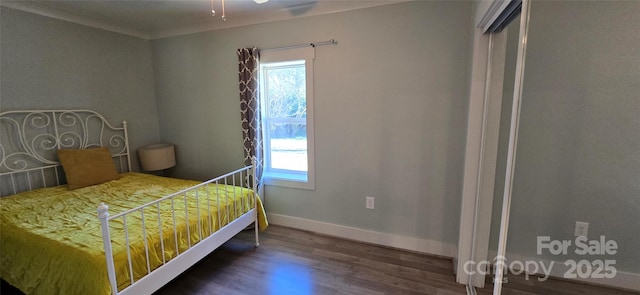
[[152, 19]]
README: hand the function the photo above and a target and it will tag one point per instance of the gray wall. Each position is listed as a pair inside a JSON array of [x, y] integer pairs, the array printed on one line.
[[578, 155], [391, 103], [390, 112], [52, 64]]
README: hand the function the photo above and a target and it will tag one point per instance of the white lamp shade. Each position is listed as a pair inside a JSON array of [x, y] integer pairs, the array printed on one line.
[[157, 156]]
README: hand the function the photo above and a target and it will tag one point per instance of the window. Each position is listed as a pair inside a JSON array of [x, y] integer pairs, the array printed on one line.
[[286, 91]]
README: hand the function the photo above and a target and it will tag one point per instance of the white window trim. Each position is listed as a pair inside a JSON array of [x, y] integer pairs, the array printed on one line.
[[296, 180]]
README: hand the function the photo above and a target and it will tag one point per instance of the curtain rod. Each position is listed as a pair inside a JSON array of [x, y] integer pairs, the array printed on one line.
[[314, 44]]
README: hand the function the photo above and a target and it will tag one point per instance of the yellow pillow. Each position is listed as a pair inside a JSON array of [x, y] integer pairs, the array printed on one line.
[[87, 167]]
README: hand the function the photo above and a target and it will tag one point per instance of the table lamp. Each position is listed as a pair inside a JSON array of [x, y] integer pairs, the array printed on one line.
[[156, 157]]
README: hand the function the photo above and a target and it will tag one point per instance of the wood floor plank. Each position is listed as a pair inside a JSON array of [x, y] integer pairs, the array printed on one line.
[[291, 261]]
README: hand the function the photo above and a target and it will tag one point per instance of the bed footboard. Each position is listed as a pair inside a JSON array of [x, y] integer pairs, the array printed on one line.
[[176, 231]]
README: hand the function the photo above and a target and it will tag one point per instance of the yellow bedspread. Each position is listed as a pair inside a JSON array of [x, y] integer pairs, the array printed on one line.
[[51, 241]]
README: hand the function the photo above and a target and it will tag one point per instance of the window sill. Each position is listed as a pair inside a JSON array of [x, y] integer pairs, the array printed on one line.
[[290, 180]]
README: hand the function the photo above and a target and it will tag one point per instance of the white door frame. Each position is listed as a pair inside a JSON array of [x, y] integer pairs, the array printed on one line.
[[513, 143], [480, 163], [485, 99]]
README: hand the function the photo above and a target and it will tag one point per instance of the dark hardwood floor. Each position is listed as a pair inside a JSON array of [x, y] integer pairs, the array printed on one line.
[[291, 261], [518, 285]]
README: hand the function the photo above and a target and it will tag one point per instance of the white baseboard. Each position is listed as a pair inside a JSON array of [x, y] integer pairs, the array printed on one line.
[[367, 236], [624, 280]]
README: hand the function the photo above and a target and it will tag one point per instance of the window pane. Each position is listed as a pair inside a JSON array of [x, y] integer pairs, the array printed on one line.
[[286, 91], [288, 143]]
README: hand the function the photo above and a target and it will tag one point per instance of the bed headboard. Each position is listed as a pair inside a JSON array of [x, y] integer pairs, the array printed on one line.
[[29, 140]]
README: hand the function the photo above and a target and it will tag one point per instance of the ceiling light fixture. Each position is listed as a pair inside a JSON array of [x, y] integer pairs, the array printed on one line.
[[213, 11], [224, 17]]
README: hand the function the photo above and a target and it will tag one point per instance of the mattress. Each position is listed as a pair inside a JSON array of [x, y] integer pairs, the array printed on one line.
[[51, 241]]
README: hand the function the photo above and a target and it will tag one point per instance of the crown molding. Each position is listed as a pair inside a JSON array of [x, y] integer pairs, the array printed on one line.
[[48, 11], [320, 8]]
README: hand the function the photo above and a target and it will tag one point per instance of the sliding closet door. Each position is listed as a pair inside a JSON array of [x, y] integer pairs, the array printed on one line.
[[578, 146], [512, 40]]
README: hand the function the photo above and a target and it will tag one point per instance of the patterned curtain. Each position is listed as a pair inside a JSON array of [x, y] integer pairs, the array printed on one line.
[[248, 59]]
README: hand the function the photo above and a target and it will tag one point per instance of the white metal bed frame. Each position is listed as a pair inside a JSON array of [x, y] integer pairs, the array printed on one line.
[[29, 140]]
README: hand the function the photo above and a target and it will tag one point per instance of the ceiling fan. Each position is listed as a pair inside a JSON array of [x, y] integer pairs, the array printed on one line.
[[224, 18]]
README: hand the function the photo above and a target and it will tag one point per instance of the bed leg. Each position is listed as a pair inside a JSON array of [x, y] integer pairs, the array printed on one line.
[[103, 214], [256, 229], [254, 165]]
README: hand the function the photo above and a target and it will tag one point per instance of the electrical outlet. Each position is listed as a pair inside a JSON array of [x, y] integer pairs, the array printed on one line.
[[371, 202], [582, 228]]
